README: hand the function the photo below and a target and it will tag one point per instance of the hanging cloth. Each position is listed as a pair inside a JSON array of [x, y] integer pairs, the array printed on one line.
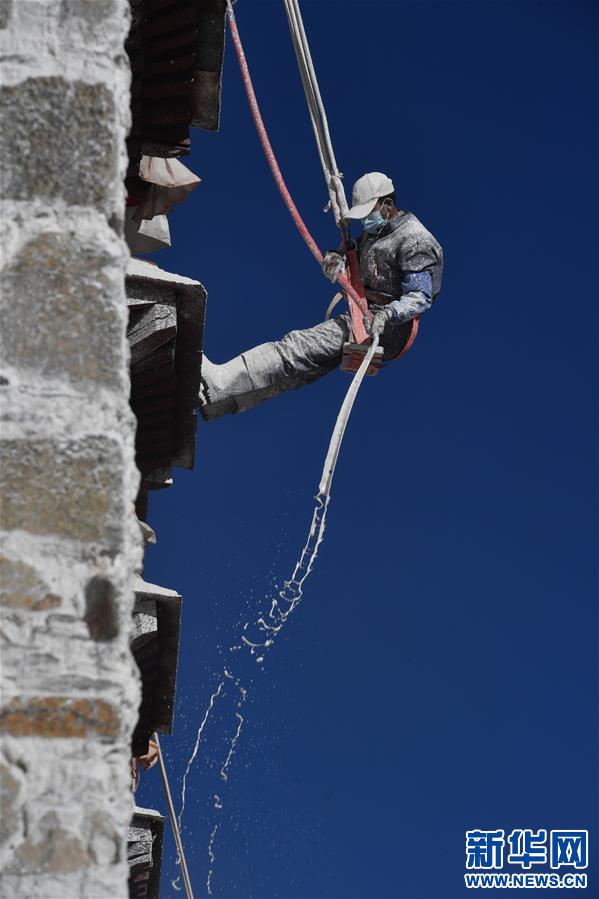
[[165, 182]]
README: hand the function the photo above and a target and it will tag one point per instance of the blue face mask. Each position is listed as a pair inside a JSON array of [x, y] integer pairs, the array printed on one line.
[[373, 222]]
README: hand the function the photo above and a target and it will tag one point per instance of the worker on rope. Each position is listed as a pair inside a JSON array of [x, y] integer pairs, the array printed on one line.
[[401, 266]]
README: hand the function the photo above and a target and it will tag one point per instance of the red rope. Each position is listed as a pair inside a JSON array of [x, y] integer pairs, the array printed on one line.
[[274, 166]]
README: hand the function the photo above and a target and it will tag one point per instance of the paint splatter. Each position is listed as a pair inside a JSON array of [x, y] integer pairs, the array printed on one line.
[[282, 606]]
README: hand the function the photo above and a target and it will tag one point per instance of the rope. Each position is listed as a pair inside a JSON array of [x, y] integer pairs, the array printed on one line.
[[310, 97], [274, 166], [308, 72], [173, 817], [318, 114]]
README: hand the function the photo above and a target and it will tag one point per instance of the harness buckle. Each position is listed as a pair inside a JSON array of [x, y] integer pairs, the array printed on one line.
[[353, 355]]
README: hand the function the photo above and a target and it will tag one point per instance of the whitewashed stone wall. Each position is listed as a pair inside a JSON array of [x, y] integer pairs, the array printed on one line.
[[70, 542]]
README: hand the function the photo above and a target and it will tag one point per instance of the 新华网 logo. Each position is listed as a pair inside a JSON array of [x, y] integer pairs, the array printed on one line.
[[563, 852]]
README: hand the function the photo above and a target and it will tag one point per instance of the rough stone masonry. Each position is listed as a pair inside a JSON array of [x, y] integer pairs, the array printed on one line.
[[70, 542]]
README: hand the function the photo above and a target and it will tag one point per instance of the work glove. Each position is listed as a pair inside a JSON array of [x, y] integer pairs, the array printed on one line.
[[333, 263], [377, 324]]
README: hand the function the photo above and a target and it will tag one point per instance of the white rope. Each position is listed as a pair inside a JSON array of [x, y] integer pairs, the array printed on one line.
[[314, 109], [314, 82], [317, 112], [309, 91]]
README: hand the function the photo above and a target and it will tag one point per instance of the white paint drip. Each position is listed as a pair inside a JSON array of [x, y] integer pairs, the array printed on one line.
[[211, 857], [213, 699], [223, 770], [176, 883]]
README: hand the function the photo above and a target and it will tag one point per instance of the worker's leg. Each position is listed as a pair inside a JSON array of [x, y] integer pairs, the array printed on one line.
[[273, 368]]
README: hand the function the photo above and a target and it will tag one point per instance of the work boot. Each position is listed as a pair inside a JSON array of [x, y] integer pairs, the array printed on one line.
[[244, 382], [214, 400]]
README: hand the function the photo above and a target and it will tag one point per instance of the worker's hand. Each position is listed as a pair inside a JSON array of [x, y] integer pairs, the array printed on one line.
[[333, 263], [148, 760], [376, 326]]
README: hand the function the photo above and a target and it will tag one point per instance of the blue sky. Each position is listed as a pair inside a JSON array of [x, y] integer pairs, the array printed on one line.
[[440, 674]]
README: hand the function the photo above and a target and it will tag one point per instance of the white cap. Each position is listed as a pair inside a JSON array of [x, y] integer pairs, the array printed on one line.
[[367, 190]]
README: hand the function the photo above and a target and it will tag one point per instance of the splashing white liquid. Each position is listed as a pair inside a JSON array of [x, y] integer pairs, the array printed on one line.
[[176, 883], [223, 770], [211, 857], [213, 699], [284, 604], [292, 592]]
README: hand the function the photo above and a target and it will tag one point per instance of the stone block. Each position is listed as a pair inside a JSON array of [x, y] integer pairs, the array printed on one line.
[[67, 488], [59, 716], [10, 789], [51, 850], [21, 587], [61, 315], [5, 11], [94, 15], [98, 24], [59, 140], [104, 841]]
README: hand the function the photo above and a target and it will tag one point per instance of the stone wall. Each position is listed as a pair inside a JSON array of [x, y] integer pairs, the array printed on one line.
[[70, 541]]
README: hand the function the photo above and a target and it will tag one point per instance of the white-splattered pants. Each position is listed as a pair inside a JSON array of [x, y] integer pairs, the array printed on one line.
[[272, 368]]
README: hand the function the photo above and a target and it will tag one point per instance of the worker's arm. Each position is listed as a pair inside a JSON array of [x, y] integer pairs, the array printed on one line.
[[416, 297], [417, 259]]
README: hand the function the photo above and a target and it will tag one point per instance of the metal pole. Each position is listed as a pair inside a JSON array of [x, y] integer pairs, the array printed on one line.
[[173, 817]]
